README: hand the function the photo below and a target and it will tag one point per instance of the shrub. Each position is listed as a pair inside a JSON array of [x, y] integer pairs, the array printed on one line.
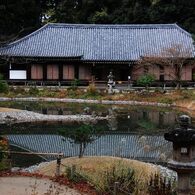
[[146, 80], [188, 94], [165, 100], [34, 91], [73, 175], [4, 163], [18, 90], [123, 175], [74, 84], [161, 185], [61, 94], [105, 183], [74, 93], [91, 90], [3, 87]]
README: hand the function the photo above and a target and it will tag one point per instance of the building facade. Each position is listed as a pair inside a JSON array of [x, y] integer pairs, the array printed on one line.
[[88, 52]]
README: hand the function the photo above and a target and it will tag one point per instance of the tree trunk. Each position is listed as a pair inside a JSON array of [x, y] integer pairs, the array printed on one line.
[[82, 149], [178, 85]]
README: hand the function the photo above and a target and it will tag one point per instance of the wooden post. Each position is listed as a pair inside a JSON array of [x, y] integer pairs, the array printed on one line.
[[58, 165], [9, 160], [116, 186]]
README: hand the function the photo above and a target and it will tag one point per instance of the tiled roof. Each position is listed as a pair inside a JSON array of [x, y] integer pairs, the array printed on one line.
[[124, 145], [99, 42]]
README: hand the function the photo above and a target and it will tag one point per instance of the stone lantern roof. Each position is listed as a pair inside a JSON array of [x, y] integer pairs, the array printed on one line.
[[184, 134]]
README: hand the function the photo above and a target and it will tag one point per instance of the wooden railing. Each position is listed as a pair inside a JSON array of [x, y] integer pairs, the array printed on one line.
[[97, 83]]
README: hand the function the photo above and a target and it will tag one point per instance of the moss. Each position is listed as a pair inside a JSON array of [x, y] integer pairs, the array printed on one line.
[[165, 100]]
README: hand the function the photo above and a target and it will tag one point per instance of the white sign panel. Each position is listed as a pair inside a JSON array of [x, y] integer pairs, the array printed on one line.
[[17, 74]]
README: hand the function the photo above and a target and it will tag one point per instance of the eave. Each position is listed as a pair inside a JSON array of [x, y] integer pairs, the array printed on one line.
[[28, 59]]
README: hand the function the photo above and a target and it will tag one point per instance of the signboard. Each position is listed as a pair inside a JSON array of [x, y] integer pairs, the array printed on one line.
[[17, 74]]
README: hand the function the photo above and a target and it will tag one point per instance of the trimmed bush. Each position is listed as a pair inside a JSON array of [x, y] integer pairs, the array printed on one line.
[[3, 87], [146, 80]]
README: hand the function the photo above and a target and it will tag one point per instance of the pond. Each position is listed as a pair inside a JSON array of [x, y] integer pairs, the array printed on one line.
[[131, 131]]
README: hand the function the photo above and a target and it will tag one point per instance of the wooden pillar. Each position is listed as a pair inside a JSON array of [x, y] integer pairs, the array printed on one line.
[[10, 67], [76, 73], [28, 71], [44, 72], [60, 72], [93, 73]]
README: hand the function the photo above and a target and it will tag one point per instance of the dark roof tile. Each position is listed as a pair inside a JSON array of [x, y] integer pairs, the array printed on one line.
[[99, 42]]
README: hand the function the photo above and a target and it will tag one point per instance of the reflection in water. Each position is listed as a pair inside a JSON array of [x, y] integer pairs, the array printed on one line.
[[82, 135], [120, 145], [18, 160], [131, 132], [112, 120]]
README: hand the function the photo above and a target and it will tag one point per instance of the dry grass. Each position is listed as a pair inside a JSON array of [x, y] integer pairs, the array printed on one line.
[[8, 110], [94, 167]]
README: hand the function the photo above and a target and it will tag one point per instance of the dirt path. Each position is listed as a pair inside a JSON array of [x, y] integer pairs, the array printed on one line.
[[32, 186], [8, 110]]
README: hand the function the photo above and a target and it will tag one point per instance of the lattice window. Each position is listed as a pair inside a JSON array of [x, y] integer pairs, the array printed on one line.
[[68, 72], [36, 71], [52, 72]]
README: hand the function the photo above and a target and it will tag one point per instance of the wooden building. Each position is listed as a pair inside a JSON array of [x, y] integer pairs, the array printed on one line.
[[64, 52]]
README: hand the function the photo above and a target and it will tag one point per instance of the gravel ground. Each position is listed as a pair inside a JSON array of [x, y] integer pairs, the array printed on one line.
[[28, 116]]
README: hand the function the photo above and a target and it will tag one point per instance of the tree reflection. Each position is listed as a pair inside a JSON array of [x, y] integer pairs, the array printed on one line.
[[82, 135], [147, 122]]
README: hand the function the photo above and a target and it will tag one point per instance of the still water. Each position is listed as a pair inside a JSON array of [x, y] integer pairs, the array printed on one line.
[[131, 132]]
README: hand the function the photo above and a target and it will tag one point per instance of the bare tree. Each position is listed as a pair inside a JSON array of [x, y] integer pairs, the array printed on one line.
[[6, 39], [176, 57]]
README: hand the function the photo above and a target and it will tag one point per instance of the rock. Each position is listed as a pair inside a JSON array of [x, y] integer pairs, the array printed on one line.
[[15, 169]]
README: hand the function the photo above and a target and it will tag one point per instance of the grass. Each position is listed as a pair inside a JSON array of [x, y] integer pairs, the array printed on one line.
[[94, 169]]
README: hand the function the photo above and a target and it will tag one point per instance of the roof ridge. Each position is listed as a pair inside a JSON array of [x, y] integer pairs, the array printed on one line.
[[111, 25]]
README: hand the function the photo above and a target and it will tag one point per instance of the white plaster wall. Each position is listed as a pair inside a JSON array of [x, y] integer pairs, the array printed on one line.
[[17, 74]]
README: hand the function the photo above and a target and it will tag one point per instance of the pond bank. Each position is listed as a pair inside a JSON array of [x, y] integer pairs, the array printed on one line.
[[68, 100], [20, 116], [185, 105]]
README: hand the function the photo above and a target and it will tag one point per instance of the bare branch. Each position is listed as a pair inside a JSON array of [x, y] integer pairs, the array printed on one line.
[[6, 39], [176, 57]]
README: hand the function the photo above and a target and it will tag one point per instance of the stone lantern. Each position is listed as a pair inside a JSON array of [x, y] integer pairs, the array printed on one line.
[[111, 83], [183, 161]]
